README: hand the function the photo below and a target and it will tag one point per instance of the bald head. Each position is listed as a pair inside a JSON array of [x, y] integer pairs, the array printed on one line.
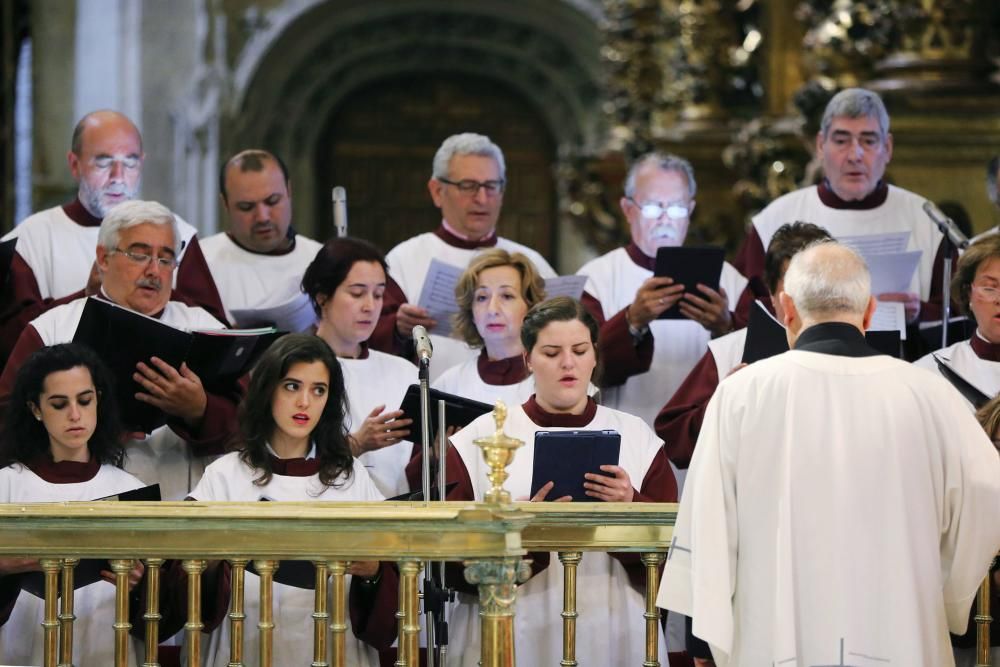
[[106, 119], [827, 282], [105, 160]]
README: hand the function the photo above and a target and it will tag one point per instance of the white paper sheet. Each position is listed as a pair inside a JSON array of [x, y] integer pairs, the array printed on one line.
[[295, 315], [438, 295], [889, 316], [571, 286], [892, 271], [877, 244]]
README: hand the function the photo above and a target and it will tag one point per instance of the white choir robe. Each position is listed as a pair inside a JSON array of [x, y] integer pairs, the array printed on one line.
[[250, 280], [380, 379], [901, 212], [230, 479], [610, 628], [408, 265], [60, 252], [836, 508], [983, 374], [613, 279], [465, 380], [163, 457], [21, 639]]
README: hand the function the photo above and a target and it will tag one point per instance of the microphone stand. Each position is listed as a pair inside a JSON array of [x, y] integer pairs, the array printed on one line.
[[949, 248], [425, 478]]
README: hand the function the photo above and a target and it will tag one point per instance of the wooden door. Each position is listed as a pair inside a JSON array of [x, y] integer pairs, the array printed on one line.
[[380, 143]]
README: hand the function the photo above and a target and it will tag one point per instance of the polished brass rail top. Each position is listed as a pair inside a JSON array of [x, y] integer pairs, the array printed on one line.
[[286, 530]]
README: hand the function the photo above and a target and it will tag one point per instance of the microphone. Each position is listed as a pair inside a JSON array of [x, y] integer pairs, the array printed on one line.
[[946, 225], [340, 211], [423, 342]]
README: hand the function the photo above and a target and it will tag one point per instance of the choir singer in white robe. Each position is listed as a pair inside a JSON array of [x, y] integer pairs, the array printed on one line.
[[842, 507]]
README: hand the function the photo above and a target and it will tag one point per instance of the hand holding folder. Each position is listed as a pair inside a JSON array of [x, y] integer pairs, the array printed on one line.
[[123, 338], [689, 267], [565, 457]]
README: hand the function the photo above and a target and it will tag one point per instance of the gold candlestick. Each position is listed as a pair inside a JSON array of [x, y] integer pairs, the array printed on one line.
[[498, 452]]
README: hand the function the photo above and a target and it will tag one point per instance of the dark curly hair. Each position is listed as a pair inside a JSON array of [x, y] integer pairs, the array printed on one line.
[[257, 421], [25, 437]]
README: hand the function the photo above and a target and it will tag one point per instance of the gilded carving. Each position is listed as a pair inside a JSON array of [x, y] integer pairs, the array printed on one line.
[[497, 581]]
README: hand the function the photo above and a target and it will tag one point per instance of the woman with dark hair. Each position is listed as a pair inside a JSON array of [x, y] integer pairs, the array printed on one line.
[[294, 447], [346, 283], [61, 442], [493, 295], [560, 340], [976, 288]]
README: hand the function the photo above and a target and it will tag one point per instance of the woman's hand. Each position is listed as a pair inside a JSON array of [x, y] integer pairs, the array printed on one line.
[[380, 429], [365, 569], [134, 575], [544, 492], [610, 489], [19, 565]]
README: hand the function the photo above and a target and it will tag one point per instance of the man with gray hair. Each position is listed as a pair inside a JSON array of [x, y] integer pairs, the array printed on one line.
[[659, 199], [137, 256], [467, 183], [855, 146], [852, 525], [54, 255]]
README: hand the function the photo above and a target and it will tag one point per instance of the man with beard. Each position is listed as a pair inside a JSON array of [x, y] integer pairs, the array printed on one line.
[[54, 258], [137, 250], [259, 262]]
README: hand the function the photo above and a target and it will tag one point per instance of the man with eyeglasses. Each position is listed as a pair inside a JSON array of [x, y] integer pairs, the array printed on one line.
[[136, 255], [854, 146], [467, 184], [658, 202], [54, 257]]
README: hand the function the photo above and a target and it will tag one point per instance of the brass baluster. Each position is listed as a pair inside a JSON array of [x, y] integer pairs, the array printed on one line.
[[192, 629], [152, 616], [121, 568], [237, 615], [50, 622], [984, 656], [409, 636], [338, 624], [402, 659], [265, 570], [66, 616], [570, 561], [652, 614], [321, 616], [497, 581]]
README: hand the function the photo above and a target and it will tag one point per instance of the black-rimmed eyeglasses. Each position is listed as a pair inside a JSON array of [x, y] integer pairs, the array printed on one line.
[[467, 186]]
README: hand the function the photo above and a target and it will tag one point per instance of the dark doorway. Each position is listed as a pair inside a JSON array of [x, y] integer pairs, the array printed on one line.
[[380, 142]]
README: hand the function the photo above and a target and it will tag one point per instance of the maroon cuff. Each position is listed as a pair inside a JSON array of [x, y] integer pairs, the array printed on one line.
[[385, 338], [621, 357]]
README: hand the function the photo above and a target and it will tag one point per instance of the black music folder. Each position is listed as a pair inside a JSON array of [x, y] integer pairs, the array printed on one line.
[[564, 457], [123, 338], [765, 335], [459, 411], [88, 570], [690, 266], [6, 258]]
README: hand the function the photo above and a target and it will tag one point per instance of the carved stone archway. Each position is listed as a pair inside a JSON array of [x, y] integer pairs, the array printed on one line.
[[305, 58]]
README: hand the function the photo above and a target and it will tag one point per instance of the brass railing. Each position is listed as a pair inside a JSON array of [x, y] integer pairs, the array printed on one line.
[[490, 539]]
